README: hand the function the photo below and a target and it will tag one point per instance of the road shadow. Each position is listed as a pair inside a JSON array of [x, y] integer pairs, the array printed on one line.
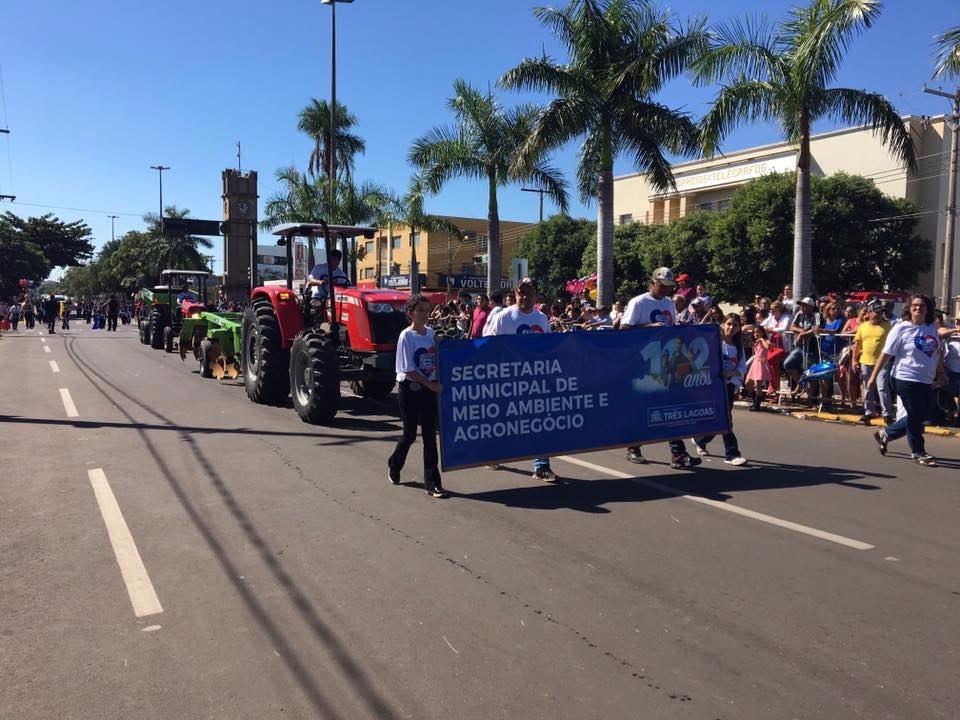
[[593, 496]]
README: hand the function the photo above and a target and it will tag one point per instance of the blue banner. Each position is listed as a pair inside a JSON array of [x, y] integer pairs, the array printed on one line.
[[513, 397]]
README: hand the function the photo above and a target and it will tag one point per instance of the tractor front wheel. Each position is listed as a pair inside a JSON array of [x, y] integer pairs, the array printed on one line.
[[265, 362], [314, 380]]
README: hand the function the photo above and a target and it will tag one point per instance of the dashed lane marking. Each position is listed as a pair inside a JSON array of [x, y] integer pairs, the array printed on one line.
[[68, 403], [54, 366], [46, 348], [142, 595], [728, 507]]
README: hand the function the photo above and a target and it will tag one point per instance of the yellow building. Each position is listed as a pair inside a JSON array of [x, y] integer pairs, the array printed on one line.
[[461, 258], [710, 184]]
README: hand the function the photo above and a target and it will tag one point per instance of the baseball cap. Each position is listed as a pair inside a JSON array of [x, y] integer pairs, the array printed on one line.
[[664, 276], [528, 281], [682, 277], [875, 305], [808, 301]]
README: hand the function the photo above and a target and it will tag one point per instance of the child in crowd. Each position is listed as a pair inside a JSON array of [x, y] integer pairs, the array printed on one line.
[[418, 389], [734, 368], [759, 372]]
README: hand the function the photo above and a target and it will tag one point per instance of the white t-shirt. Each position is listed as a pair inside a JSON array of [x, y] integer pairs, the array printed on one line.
[[951, 356], [915, 350], [319, 272], [646, 309], [416, 352], [488, 325], [731, 363], [513, 322]]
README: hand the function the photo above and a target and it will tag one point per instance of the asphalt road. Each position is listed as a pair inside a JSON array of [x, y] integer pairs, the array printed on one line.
[[169, 549]]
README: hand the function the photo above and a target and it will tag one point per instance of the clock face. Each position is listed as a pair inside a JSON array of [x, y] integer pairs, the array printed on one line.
[[243, 207]]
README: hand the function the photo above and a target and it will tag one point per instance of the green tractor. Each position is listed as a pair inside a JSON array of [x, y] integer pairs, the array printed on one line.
[[179, 294]]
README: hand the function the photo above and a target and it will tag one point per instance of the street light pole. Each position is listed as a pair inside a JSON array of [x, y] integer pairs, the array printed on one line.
[[541, 192], [333, 99], [160, 169], [946, 282], [112, 218]]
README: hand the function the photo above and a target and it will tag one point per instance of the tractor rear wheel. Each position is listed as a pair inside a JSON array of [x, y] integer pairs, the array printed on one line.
[[203, 356], [265, 362], [374, 389], [314, 379], [156, 329], [168, 339]]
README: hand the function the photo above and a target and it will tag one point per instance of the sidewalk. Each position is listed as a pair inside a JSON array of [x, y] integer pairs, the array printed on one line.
[[802, 413]]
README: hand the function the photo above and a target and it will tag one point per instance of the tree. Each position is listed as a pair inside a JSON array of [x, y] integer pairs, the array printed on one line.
[[554, 250], [314, 120], [631, 273], [483, 145], [62, 244], [174, 251], [22, 258], [622, 52], [781, 74], [682, 245], [947, 58]]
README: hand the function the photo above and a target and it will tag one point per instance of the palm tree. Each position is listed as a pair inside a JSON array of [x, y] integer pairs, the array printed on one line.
[[780, 74], [622, 52], [171, 250], [482, 145], [315, 122], [948, 53]]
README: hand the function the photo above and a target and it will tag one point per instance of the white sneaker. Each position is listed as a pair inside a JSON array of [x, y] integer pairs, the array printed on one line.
[[702, 450], [738, 461]]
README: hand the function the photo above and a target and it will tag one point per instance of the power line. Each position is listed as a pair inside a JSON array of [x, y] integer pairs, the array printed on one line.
[[100, 212]]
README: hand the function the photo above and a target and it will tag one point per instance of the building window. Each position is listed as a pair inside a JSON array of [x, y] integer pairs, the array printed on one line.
[[483, 243], [416, 239], [395, 242], [368, 273], [706, 206], [368, 247], [724, 204], [626, 218]]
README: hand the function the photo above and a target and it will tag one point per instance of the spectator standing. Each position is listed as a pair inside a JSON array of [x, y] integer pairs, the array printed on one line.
[[759, 372], [14, 314], [786, 297], [480, 314], [50, 310], [617, 315], [497, 304], [523, 319], [416, 366], [685, 289], [913, 347], [112, 306], [805, 325], [655, 308], [29, 314]]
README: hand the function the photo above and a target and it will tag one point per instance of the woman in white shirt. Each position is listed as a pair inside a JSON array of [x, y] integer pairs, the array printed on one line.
[[913, 346]]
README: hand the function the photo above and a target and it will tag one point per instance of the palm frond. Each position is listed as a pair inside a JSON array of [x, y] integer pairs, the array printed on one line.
[[823, 33], [947, 57], [862, 108], [744, 46], [743, 100]]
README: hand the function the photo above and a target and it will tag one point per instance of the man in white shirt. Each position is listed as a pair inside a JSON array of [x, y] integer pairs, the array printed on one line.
[[655, 309], [319, 279], [524, 318], [497, 303]]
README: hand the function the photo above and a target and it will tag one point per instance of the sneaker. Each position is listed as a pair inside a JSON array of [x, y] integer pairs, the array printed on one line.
[[701, 448], [494, 467], [394, 476], [684, 462], [881, 437], [436, 491], [866, 418], [925, 460], [635, 456], [738, 461], [546, 474]]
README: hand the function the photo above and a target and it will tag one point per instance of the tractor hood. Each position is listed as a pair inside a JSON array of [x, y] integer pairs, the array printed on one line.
[[372, 295]]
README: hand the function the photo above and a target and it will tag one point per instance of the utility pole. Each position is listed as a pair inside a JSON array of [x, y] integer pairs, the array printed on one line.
[[11, 198], [946, 282], [541, 192], [112, 218], [160, 169]]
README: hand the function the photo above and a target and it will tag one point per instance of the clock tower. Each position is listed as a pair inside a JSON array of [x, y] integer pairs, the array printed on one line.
[[240, 236]]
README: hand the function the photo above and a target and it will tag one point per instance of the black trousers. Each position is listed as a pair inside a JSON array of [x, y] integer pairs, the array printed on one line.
[[417, 408], [111, 322]]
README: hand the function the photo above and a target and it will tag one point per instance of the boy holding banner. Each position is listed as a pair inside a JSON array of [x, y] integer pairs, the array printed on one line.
[[521, 319], [655, 309]]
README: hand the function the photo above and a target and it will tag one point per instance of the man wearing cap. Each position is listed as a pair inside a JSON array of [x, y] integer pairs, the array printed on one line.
[[684, 288], [524, 318], [867, 346], [654, 308], [804, 328]]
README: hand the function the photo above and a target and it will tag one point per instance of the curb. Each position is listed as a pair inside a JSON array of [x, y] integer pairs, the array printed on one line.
[[801, 414]]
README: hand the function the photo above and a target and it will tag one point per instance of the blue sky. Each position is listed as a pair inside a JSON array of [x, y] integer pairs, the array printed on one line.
[[97, 92]]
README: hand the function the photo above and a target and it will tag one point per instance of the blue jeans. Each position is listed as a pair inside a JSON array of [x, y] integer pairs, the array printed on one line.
[[881, 392], [731, 448], [917, 399], [541, 463]]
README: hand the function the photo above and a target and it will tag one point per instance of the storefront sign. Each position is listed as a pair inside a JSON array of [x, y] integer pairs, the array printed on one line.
[[527, 396], [471, 282], [732, 174], [400, 281]]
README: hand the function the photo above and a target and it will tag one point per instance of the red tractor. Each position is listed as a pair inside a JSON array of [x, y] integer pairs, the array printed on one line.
[[304, 347]]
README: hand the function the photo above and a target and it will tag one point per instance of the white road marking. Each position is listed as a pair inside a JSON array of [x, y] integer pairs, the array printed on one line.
[[769, 519], [68, 403], [43, 340], [54, 366], [139, 588], [46, 348]]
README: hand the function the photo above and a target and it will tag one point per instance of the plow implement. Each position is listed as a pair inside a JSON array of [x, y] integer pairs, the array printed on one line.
[[213, 338]]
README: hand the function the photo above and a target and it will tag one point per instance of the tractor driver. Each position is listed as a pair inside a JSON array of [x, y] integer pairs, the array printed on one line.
[[317, 280]]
